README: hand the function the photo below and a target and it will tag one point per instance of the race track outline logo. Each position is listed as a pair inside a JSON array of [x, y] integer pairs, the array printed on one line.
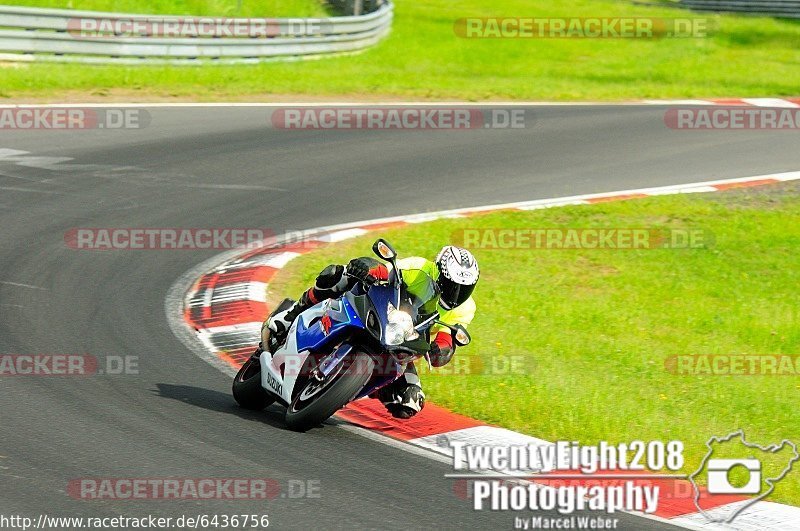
[[719, 483]]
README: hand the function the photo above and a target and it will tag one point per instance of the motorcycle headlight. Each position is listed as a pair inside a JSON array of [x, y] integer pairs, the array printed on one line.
[[399, 327]]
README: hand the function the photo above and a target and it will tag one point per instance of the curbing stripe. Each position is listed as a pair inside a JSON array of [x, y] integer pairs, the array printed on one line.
[[762, 515], [223, 308], [770, 102], [371, 415], [730, 186]]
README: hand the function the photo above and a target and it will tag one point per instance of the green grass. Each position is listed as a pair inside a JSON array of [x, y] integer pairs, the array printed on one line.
[[422, 58], [594, 327], [269, 8]]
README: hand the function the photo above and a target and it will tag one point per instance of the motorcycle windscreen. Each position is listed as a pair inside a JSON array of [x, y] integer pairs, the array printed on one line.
[[422, 290]]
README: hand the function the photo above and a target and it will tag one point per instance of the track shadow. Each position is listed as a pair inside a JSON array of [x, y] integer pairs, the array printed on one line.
[[222, 402]]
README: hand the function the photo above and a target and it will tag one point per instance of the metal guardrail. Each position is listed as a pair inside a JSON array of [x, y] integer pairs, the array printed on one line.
[[773, 8], [30, 34], [356, 7]]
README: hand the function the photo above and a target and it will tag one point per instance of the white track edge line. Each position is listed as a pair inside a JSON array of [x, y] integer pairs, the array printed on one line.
[[557, 201]]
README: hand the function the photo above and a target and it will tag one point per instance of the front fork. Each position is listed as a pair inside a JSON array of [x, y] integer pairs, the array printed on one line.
[[329, 362]]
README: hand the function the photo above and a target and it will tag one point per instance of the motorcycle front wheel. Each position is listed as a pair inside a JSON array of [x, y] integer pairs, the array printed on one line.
[[318, 400]]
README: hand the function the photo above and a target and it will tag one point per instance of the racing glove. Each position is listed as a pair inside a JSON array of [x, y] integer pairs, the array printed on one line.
[[442, 349], [367, 270], [358, 268]]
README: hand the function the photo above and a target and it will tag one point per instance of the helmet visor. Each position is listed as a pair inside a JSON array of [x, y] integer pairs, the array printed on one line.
[[453, 294]]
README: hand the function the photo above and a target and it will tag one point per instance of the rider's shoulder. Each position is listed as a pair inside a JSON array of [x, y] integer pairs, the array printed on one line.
[[468, 306], [462, 314]]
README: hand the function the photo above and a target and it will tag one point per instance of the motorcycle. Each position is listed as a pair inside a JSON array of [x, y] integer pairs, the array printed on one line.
[[344, 349]]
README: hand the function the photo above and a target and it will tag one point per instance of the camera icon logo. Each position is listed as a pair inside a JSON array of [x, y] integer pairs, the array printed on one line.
[[724, 475], [719, 472]]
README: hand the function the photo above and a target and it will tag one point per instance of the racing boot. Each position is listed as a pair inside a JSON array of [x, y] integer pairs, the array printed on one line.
[[276, 328], [404, 397]]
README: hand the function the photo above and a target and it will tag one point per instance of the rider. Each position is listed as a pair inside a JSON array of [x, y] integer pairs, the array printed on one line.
[[455, 272]]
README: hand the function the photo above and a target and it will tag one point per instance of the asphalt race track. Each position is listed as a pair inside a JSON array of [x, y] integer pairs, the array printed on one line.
[[227, 167]]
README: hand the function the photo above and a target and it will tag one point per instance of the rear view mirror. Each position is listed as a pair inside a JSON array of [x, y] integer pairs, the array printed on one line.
[[384, 250], [460, 336]]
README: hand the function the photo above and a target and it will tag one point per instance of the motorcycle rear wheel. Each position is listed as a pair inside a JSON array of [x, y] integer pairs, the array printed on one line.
[[247, 390]]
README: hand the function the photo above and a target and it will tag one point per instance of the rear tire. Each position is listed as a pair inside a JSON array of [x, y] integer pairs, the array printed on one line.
[[247, 390], [330, 395]]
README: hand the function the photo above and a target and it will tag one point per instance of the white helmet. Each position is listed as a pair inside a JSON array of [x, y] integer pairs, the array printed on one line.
[[458, 275]]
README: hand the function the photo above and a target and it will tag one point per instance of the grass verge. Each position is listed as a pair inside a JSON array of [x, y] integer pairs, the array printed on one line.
[[595, 328], [216, 8], [424, 59]]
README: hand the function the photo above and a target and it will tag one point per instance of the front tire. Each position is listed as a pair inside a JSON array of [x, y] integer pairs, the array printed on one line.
[[247, 390], [317, 401]]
